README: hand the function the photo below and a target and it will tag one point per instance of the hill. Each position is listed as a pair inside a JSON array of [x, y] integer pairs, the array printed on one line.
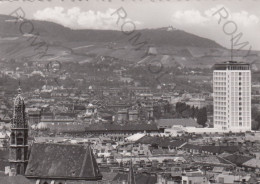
[[68, 45]]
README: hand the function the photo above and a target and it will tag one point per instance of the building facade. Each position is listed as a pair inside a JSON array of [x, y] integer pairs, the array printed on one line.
[[232, 96]]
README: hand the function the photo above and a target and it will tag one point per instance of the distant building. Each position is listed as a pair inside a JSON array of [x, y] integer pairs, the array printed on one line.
[[122, 115], [91, 110], [193, 177], [197, 102], [119, 132], [34, 117], [133, 115], [232, 96], [163, 124]]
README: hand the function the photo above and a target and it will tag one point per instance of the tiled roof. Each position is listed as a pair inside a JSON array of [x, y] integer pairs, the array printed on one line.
[[238, 159], [186, 122], [62, 161], [220, 149], [161, 141], [213, 149], [255, 163], [207, 159]]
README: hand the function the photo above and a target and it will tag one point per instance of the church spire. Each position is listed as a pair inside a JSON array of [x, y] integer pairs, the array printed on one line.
[[19, 120], [18, 157]]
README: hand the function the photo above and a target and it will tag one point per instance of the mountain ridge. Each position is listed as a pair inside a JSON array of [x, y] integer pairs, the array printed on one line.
[[153, 36]]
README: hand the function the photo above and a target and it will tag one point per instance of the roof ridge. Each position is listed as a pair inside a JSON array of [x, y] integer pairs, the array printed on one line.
[[63, 144], [84, 162], [93, 169]]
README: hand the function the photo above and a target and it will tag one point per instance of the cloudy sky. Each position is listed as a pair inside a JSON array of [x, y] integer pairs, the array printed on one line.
[[194, 16]]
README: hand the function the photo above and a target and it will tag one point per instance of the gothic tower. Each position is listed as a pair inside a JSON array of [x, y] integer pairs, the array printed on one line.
[[18, 151]]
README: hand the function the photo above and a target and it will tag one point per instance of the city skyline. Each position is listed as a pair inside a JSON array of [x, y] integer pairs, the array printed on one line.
[[129, 91]]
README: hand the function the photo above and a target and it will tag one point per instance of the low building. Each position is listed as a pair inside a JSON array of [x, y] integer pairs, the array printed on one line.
[[194, 177], [163, 124], [209, 150], [119, 132]]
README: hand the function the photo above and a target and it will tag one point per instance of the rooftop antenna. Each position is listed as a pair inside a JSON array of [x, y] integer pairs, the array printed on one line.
[[231, 52], [131, 177]]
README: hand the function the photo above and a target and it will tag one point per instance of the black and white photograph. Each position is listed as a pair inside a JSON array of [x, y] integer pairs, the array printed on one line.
[[129, 92]]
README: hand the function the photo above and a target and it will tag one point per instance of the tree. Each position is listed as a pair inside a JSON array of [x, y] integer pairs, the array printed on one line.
[[157, 111], [187, 113], [202, 116], [167, 107], [196, 111], [193, 112], [256, 123]]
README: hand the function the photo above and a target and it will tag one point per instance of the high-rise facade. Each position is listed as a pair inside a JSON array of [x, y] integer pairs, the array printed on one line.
[[18, 152], [232, 96]]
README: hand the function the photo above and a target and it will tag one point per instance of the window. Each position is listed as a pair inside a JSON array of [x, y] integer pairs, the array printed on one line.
[[20, 139], [19, 154], [18, 171], [12, 138]]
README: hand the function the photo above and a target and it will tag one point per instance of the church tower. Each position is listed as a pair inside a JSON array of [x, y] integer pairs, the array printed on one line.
[[18, 151]]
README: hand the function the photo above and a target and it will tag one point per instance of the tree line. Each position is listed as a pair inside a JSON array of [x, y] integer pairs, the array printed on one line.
[[187, 111], [181, 110]]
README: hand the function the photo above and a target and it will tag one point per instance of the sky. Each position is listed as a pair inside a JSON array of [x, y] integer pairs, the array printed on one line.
[[199, 17]]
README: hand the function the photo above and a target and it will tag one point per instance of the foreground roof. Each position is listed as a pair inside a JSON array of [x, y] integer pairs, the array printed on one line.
[[15, 180], [65, 161]]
